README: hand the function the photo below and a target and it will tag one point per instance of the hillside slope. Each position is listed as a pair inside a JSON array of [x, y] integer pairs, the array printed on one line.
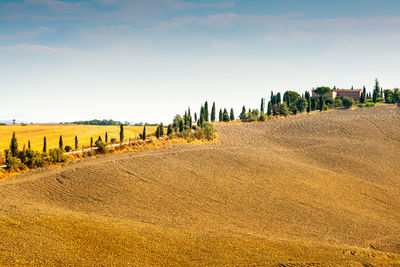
[[321, 188]]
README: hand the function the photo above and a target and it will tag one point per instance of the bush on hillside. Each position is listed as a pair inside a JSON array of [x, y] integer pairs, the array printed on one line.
[[57, 156], [348, 102], [262, 117], [101, 148], [68, 148]]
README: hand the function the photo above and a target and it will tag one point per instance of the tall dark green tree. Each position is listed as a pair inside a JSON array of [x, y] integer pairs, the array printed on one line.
[[278, 98], [375, 93], [29, 144], [206, 114], [158, 132], [308, 98], [181, 126], [91, 142], [76, 142], [185, 119], [363, 95], [243, 114], [272, 98], [106, 138], [201, 120], [121, 133], [213, 112], [262, 107], [232, 115], [226, 117], [221, 116], [195, 117], [14, 145], [162, 127], [322, 105], [44, 144], [269, 109], [144, 135], [169, 131], [61, 143]]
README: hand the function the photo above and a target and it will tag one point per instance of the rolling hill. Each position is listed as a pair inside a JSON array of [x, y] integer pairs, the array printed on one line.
[[306, 190]]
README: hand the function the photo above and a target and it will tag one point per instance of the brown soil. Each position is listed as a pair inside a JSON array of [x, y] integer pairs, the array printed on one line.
[[319, 189]]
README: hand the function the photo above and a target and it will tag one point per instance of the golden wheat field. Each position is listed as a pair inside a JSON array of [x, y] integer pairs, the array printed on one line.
[[313, 190], [35, 134]]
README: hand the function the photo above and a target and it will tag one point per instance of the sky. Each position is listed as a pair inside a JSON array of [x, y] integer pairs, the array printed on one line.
[[145, 61]]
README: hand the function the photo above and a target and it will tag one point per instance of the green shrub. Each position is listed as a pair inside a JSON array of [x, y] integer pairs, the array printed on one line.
[[262, 117], [329, 101], [68, 148], [13, 163], [348, 102], [56, 156], [102, 148]]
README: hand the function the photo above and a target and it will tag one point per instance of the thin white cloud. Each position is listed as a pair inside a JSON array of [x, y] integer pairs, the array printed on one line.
[[34, 48]]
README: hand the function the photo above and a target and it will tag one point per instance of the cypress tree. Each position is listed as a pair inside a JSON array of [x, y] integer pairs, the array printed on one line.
[[201, 120], [213, 112], [99, 139], [375, 93], [221, 118], [313, 104], [14, 145], [195, 117], [162, 127], [278, 98], [272, 98], [121, 133], [262, 106], [29, 144], [185, 119], [206, 114], [232, 115], [269, 110], [322, 105], [181, 126], [158, 131], [91, 142], [363, 95], [201, 112], [169, 131], [44, 144], [61, 143], [225, 116], [106, 138], [76, 142], [243, 114], [144, 132]]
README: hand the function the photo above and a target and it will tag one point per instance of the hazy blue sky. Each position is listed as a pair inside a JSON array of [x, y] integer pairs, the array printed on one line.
[[148, 60]]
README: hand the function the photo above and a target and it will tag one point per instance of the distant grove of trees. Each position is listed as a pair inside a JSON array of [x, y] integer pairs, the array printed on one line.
[[111, 122]]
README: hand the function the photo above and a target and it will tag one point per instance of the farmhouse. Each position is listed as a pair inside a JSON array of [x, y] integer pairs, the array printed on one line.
[[353, 93]]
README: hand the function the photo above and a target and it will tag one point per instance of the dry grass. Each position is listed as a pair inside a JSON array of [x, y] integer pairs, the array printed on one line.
[[306, 190], [35, 134]]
